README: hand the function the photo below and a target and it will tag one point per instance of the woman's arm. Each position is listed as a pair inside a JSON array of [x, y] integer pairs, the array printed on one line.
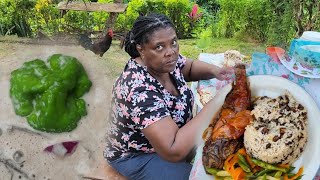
[[172, 143], [199, 70]]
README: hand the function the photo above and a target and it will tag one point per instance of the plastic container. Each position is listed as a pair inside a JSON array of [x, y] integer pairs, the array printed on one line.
[[275, 53], [306, 52], [311, 36], [308, 56]]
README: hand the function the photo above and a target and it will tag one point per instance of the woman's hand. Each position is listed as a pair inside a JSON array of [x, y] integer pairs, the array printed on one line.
[[224, 73]]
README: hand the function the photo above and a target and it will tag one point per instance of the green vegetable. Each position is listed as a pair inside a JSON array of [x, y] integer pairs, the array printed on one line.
[[291, 168], [50, 96], [278, 174], [264, 177], [290, 175], [244, 167], [260, 173], [223, 173], [243, 161], [268, 166], [212, 171]]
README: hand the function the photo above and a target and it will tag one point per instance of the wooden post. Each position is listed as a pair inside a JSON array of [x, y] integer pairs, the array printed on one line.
[[112, 17]]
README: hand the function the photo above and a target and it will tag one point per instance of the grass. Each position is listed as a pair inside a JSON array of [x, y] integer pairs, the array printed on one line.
[[116, 58], [189, 49]]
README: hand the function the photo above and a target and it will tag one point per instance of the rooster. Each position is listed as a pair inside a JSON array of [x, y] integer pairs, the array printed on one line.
[[99, 47]]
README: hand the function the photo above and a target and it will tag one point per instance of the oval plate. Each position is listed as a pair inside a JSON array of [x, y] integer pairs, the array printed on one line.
[[273, 86]]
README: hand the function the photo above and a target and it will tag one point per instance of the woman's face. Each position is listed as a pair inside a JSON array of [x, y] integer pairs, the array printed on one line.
[[160, 54]]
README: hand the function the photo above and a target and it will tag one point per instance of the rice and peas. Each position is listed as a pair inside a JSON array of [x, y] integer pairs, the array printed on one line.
[[279, 131]]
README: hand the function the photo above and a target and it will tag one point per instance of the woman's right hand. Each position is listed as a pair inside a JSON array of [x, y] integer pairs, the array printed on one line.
[[224, 73]]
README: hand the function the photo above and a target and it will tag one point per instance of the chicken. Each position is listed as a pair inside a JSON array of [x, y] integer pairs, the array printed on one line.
[[224, 136], [99, 47]]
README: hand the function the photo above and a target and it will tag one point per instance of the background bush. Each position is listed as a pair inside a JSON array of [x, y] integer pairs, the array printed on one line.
[[275, 22], [14, 17]]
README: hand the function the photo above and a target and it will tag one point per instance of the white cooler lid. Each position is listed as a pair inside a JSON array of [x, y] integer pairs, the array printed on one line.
[[311, 35]]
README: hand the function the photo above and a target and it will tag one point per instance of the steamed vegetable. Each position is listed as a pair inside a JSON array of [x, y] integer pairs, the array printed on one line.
[[240, 166], [50, 96]]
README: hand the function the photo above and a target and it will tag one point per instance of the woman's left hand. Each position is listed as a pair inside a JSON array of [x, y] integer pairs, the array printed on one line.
[[224, 73]]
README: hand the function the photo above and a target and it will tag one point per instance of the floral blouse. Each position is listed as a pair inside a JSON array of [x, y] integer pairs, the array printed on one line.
[[139, 100]]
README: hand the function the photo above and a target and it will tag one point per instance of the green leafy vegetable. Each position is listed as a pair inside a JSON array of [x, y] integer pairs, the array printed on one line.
[[50, 96]]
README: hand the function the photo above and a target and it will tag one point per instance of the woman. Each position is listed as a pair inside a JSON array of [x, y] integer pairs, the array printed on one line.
[[151, 131]]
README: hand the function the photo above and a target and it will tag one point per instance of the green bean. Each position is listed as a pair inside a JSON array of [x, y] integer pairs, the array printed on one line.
[[264, 177], [268, 166], [278, 174], [244, 167], [212, 171], [223, 173], [290, 175], [243, 159], [291, 168], [265, 171]]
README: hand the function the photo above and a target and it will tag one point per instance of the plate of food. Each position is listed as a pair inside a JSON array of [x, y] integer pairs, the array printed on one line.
[[278, 140]]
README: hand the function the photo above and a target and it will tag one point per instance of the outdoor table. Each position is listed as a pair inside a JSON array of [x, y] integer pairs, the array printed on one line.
[[261, 64]]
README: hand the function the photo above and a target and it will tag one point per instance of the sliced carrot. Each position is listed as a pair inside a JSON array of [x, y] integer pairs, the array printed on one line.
[[299, 173], [252, 165], [242, 151], [285, 177], [230, 162], [238, 174]]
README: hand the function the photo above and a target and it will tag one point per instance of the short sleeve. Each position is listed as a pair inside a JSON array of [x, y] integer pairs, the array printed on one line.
[[147, 106], [181, 61]]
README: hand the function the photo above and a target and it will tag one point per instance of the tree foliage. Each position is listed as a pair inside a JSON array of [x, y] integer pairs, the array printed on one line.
[[275, 22]]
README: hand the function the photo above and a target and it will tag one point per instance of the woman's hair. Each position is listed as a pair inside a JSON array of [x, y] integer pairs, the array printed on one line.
[[142, 29]]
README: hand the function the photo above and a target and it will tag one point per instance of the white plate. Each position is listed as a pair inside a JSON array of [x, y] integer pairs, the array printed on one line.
[[297, 68], [273, 86]]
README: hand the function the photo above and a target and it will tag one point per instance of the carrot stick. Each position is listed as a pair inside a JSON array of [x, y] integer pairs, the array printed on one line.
[[298, 174], [242, 151], [238, 174]]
